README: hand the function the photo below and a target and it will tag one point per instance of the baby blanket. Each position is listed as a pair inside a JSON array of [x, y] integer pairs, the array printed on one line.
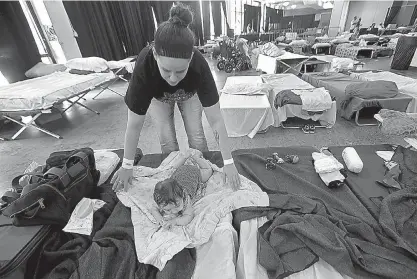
[[155, 245]]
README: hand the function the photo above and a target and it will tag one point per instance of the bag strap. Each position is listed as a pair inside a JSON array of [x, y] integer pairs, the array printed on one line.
[[61, 174]]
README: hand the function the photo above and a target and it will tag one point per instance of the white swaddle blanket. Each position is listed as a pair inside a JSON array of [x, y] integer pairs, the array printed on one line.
[[155, 245]]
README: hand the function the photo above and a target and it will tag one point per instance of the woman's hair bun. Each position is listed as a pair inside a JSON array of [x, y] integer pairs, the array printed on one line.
[[181, 15]]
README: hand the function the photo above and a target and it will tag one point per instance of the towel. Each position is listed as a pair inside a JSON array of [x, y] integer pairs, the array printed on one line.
[[315, 99]]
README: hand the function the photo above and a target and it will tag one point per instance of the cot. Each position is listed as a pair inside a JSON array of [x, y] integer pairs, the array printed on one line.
[[281, 82], [267, 237], [405, 85], [38, 96], [119, 68], [245, 115], [288, 62], [336, 84]]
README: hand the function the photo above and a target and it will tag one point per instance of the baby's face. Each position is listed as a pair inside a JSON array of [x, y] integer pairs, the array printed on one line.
[[171, 208]]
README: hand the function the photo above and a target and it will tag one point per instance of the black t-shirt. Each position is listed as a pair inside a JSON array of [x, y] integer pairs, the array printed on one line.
[[147, 83]]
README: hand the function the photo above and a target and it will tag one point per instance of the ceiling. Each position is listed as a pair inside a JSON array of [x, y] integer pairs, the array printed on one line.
[[299, 4]]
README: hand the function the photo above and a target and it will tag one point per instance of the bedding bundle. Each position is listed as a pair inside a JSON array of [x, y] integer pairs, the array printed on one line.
[[155, 245]]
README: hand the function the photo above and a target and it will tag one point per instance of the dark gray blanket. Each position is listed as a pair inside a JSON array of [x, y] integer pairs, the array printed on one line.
[[307, 221], [352, 94]]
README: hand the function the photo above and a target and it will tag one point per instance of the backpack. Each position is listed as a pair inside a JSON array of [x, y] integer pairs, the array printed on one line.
[[69, 176]]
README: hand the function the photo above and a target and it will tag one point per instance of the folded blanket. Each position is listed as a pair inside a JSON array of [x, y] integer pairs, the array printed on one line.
[[325, 164], [271, 50], [286, 97], [379, 89], [316, 99], [247, 89], [155, 245]]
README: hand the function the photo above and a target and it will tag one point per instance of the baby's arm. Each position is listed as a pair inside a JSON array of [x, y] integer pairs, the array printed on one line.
[[157, 215], [180, 161], [205, 169], [185, 219]]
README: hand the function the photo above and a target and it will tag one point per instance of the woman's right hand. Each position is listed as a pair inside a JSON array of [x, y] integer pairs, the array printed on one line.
[[122, 178]]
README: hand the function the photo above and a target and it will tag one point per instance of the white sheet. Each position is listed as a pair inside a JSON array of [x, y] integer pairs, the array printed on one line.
[[314, 99], [280, 82], [249, 268], [155, 245], [106, 163], [405, 85], [245, 115], [43, 92], [217, 257]]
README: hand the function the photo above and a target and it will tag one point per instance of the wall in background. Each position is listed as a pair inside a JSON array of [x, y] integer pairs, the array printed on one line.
[[369, 11], [403, 17], [63, 28], [306, 11], [338, 17]]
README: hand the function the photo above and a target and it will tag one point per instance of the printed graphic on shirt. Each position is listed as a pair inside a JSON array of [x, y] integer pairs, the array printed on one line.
[[178, 96]]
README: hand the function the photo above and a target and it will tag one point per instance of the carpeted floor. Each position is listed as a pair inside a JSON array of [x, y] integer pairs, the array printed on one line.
[[81, 128]]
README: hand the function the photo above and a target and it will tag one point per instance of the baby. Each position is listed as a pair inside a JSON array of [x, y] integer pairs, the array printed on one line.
[[175, 196]]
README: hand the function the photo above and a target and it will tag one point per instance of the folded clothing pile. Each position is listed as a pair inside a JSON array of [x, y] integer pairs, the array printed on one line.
[[328, 168]]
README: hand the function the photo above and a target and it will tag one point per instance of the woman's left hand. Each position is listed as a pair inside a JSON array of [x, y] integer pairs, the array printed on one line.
[[232, 176]]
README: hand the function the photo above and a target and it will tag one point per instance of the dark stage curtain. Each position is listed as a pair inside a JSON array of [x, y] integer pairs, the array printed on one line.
[[161, 9], [95, 22], [18, 50], [272, 16], [112, 30], [252, 15], [206, 19], [135, 24], [196, 25], [217, 17], [393, 11]]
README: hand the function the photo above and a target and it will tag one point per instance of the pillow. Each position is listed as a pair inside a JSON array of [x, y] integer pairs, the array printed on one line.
[[369, 37], [41, 69], [320, 45], [92, 64], [298, 43], [340, 41]]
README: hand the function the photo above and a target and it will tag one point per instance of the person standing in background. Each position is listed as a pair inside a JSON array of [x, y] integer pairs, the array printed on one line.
[[353, 24]]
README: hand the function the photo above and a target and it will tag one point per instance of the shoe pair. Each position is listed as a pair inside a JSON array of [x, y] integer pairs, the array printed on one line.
[[308, 129]]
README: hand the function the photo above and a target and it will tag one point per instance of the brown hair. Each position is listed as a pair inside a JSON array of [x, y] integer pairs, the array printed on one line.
[[167, 191], [174, 38]]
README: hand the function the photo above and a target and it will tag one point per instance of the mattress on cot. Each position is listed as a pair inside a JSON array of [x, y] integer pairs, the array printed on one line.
[[349, 51], [336, 84], [357, 202], [280, 82], [43, 92], [217, 257], [405, 85], [245, 115]]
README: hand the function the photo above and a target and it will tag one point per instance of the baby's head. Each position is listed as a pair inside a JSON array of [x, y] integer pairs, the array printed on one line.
[[169, 196]]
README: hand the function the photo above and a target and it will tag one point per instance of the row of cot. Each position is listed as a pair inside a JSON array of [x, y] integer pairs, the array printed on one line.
[[251, 104]]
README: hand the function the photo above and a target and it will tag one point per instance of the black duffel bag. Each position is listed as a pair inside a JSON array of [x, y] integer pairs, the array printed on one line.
[[71, 176]]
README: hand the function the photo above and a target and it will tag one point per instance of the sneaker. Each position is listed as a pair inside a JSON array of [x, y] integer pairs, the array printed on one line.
[[306, 129]]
